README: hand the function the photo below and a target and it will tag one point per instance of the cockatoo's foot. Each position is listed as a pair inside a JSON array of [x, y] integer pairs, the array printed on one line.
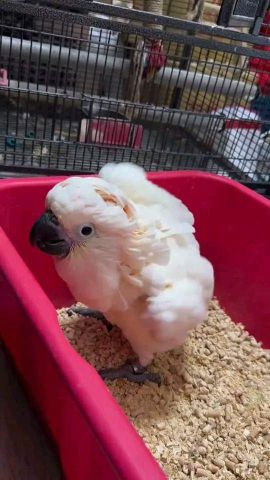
[[87, 312], [133, 372]]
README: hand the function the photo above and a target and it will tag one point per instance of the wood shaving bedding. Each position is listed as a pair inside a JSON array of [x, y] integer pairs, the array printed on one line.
[[211, 416]]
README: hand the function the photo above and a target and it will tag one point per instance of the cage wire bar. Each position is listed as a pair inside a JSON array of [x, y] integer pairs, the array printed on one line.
[[67, 107]]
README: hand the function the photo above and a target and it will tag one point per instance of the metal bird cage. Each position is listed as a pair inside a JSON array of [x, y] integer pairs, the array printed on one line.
[[73, 95]]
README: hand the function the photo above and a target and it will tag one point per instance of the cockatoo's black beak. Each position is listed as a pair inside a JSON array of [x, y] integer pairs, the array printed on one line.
[[49, 237]]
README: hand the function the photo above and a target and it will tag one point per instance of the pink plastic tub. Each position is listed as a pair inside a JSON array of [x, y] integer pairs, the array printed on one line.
[[94, 438]]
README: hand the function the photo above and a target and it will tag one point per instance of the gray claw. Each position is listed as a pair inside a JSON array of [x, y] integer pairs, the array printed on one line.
[[132, 372], [87, 312]]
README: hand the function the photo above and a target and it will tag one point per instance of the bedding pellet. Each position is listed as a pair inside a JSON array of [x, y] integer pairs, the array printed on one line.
[[210, 419]]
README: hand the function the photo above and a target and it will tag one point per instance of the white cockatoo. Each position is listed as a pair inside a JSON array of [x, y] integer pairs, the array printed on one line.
[[126, 248]]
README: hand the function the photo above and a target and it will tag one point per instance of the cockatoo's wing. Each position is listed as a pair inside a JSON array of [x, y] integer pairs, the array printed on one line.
[[178, 294]]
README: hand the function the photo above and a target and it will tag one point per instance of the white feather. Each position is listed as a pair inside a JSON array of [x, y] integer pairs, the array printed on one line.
[[142, 268], [132, 181]]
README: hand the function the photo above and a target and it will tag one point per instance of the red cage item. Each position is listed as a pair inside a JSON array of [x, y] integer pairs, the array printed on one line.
[[111, 131], [260, 65], [3, 78]]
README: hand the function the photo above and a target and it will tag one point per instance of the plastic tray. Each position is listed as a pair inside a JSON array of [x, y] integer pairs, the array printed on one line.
[[93, 436]]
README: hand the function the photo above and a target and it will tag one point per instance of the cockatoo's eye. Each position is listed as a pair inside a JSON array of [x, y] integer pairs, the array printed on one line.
[[86, 230]]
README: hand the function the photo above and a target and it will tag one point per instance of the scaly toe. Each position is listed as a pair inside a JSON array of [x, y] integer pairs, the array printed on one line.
[[87, 312], [130, 372]]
